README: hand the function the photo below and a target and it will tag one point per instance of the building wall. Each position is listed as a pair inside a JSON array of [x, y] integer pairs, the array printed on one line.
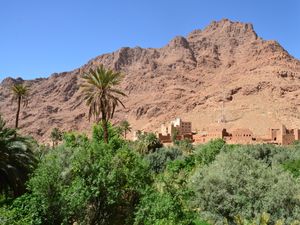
[[288, 139], [274, 134], [165, 129], [242, 136], [185, 128], [210, 134], [284, 136], [280, 136], [199, 138], [164, 138], [178, 126]]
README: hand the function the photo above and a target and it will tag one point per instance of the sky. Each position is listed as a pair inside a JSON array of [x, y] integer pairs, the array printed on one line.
[[41, 37]]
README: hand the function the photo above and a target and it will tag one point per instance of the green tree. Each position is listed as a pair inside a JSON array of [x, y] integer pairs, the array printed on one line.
[[125, 127], [167, 202], [293, 167], [158, 160], [101, 95], [16, 160], [205, 154], [147, 143], [56, 136], [91, 183], [236, 183], [20, 93], [185, 145], [162, 208]]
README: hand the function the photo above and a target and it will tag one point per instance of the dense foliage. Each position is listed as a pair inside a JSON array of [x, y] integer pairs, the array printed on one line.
[[238, 184], [147, 143], [16, 160], [87, 181]]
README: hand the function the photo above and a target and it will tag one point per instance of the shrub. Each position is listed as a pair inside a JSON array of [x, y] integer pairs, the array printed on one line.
[[158, 160], [73, 140], [23, 211], [238, 184], [207, 153], [293, 167], [269, 154], [185, 145], [166, 202], [161, 209], [147, 143], [90, 183]]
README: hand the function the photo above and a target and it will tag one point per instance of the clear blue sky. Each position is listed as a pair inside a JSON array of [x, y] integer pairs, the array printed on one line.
[[40, 37]]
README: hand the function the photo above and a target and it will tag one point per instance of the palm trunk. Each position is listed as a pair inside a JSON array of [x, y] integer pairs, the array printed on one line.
[[125, 134], [18, 112], [105, 130]]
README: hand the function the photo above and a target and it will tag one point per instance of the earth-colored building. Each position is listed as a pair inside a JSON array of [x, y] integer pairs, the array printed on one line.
[[279, 136], [176, 128]]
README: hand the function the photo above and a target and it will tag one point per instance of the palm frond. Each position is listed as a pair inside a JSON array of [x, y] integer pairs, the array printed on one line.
[[99, 92]]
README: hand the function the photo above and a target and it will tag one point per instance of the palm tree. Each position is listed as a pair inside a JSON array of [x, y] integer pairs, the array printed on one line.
[[16, 160], [125, 126], [101, 95], [147, 143], [20, 92], [56, 136]]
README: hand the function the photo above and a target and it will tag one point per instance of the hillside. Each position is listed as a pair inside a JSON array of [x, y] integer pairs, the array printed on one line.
[[185, 78]]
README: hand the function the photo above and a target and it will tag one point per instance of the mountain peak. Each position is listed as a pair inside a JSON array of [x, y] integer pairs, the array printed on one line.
[[231, 28], [178, 42], [185, 78], [9, 81], [225, 28]]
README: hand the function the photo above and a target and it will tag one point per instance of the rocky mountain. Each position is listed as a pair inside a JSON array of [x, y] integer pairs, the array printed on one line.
[[187, 78]]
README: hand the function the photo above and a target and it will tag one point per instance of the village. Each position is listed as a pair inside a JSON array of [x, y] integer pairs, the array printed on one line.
[[180, 130]]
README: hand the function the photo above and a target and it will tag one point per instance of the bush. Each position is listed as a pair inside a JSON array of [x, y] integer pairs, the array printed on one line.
[[236, 183], [205, 154], [161, 209], [158, 160], [109, 183], [185, 145], [147, 143], [114, 136], [73, 140], [23, 211], [47, 184], [293, 167], [90, 183], [270, 154], [166, 202]]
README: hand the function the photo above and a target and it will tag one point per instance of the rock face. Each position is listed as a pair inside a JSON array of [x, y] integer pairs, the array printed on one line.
[[189, 77]]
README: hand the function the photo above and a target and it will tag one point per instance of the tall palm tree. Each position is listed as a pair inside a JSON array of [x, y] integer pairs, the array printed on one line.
[[20, 93], [125, 126], [101, 95], [16, 160]]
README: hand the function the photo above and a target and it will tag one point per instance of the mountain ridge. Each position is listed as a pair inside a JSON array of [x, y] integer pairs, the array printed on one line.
[[183, 78]]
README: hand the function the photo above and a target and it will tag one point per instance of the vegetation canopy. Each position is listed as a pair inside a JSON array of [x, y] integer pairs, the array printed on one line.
[[88, 181], [16, 160]]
